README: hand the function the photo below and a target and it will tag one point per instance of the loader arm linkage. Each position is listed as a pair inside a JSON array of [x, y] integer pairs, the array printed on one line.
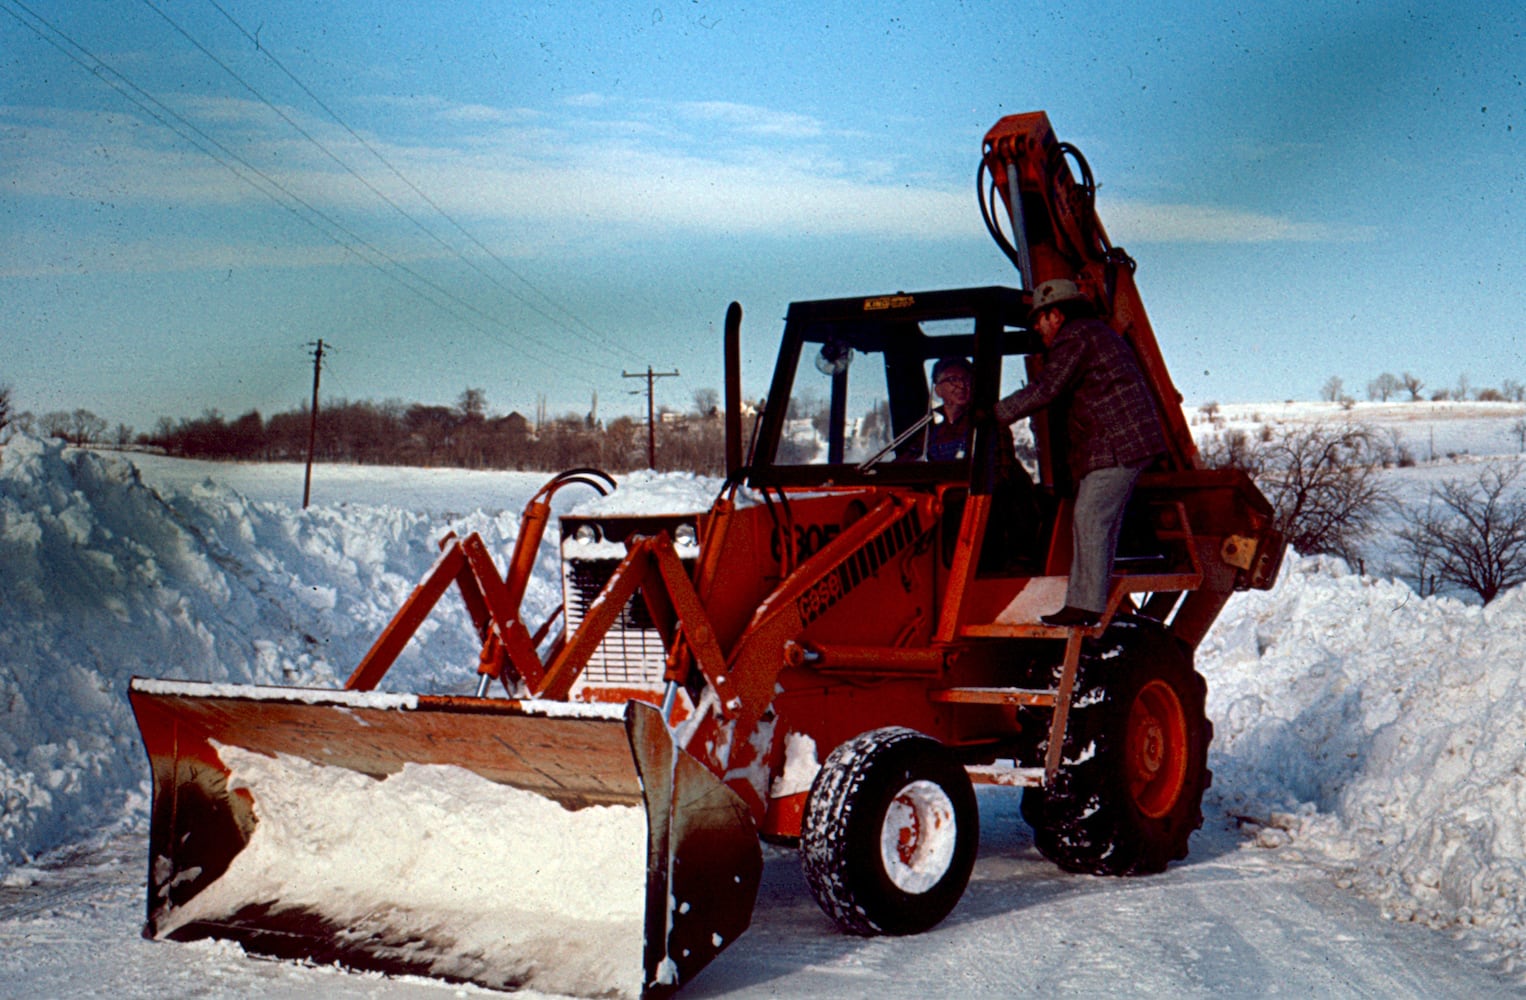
[[509, 652], [739, 682]]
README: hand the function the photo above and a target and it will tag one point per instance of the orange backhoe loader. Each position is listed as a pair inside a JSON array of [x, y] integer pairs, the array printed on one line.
[[829, 656]]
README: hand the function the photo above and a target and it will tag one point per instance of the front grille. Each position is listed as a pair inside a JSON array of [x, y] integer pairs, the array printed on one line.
[[631, 652]]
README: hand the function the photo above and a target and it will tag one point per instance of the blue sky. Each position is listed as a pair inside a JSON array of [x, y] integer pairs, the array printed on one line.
[[537, 199]]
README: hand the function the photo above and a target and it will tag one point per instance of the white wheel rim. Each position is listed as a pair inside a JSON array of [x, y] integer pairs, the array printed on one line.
[[918, 836]]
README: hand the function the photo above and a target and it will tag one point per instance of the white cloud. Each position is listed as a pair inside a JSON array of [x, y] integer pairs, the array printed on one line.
[[1145, 222], [650, 172], [752, 120], [93, 157], [661, 191], [480, 114]]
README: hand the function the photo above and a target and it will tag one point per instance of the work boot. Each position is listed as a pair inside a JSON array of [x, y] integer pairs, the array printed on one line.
[[1072, 617]]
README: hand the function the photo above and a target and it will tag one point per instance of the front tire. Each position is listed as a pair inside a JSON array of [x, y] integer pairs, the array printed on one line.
[[890, 833], [1129, 792]]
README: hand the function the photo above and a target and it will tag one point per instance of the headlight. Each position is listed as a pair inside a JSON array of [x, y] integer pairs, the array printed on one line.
[[586, 534]]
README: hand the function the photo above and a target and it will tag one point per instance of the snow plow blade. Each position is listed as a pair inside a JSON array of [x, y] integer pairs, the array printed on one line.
[[289, 820]]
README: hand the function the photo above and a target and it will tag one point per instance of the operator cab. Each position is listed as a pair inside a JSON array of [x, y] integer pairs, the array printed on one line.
[[859, 408], [852, 399], [852, 404]]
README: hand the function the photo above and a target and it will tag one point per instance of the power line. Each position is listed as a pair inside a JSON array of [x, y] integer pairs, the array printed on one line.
[[142, 99], [313, 140], [199, 139], [604, 343]]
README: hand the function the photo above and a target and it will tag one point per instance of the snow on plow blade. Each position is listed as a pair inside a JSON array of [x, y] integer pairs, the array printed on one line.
[[513, 844]]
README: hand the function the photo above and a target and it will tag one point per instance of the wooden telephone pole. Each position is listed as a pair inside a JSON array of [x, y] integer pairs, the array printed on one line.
[[312, 425], [651, 423]]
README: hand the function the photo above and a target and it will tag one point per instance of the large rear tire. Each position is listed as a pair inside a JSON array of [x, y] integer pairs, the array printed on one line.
[[1129, 793], [890, 833]]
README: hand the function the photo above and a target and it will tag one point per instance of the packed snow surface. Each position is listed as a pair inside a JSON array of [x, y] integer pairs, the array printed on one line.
[[1358, 726]]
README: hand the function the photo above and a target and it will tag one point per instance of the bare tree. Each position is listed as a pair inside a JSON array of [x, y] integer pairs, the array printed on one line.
[[875, 428], [1411, 385], [1512, 390], [1473, 533], [707, 402], [1394, 451], [1385, 385], [1331, 391], [85, 427], [1325, 481], [80, 427], [54, 424], [472, 404], [1232, 448]]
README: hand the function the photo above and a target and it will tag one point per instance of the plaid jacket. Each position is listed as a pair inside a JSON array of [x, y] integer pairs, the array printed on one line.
[[1090, 372]]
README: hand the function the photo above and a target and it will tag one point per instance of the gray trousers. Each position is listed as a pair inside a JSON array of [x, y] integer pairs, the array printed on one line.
[[1094, 528]]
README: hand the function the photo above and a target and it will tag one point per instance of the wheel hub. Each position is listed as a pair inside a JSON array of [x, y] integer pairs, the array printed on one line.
[[918, 836], [1156, 750], [1153, 750]]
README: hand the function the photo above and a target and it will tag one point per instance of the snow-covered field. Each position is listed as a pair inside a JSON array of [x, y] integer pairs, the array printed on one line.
[[1369, 759]]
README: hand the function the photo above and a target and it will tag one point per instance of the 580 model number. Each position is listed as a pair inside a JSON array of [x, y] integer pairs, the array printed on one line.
[[808, 540]]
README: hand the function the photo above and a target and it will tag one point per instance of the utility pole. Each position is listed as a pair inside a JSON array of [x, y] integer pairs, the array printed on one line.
[[651, 422], [312, 425]]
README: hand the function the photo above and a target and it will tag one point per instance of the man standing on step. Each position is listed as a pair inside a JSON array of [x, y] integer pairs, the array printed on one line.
[[1113, 433]]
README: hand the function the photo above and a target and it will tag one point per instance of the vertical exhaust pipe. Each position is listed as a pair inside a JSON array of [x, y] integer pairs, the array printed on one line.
[[733, 389]]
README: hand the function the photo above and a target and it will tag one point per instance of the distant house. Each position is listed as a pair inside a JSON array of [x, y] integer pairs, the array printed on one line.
[[513, 425]]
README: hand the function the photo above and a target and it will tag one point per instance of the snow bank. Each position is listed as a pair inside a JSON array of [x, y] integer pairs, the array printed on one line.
[[645, 492], [1384, 732], [102, 578]]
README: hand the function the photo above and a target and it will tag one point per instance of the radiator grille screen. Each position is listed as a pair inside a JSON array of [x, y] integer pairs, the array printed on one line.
[[631, 653]]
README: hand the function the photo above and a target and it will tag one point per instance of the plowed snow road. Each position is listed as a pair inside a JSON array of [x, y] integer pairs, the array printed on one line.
[[1233, 921]]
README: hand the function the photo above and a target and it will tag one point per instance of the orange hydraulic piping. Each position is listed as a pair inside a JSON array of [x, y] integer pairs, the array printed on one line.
[[507, 635], [890, 661], [532, 528]]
